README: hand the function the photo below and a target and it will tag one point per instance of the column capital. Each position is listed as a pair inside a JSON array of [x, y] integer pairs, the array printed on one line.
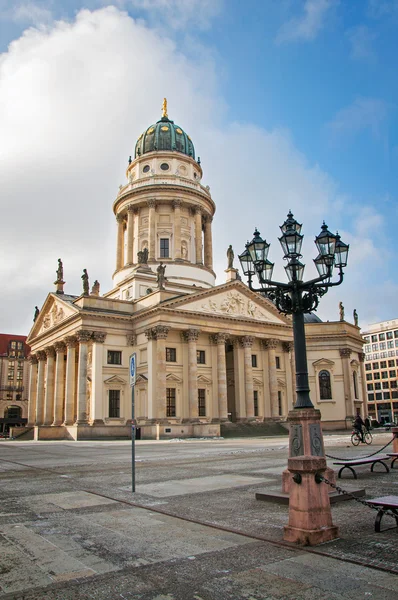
[[99, 337], [218, 338], [362, 357], [119, 218], [59, 347], [70, 341], [159, 332], [207, 218], [197, 209], [41, 355], [50, 352], [151, 203], [131, 339], [345, 352], [177, 203], [83, 336], [270, 344], [32, 358], [287, 346], [247, 341], [130, 209], [191, 335]]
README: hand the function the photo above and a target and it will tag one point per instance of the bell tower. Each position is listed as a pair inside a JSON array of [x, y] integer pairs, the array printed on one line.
[[163, 215]]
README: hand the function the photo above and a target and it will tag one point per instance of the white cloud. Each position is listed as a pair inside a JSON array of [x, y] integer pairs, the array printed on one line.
[[361, 39], [308, 25], [362, 114], [26, 12], [178, 14], [378, 9], [73, 99]]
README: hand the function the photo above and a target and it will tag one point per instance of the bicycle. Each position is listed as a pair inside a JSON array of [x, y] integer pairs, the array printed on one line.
[[356, 438]]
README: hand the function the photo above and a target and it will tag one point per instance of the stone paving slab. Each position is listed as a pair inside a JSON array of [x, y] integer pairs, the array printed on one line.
[[176, 487]]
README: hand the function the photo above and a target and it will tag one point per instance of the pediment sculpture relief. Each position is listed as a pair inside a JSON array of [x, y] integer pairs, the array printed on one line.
[[234, 304], [55, 315]]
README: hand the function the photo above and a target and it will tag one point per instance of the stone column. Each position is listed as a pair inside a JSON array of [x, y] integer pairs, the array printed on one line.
[[198, 235], [288, 348], [49, 393], [152, 230], [363, 383], [265, 366], [345, 354], [59, 383], [70, 411], [158, 370], [96, 400], [208, 243], [130, 234], [83, 337], [273, 383], [191, 336], [239, 376], [177, 229], [41, 357], [220, 339], [32, 390], [119, 244], [247, 343]]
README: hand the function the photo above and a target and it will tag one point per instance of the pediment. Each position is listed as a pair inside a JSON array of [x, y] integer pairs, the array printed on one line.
[[141, 379], [231, 300], [257, 381], [173, 377], [323, 363], [281, 382], [115, 379], [53, 312], [203, 379]]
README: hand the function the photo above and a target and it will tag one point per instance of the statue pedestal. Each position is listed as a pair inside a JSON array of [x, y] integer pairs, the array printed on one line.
[[310, 517], [60, 286], [232, 274]]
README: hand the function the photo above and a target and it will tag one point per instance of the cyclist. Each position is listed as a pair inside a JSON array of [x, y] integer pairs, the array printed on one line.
[[367, 424], [358, 426]]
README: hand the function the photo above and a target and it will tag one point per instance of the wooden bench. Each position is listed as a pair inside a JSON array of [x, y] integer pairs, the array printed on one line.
[[394, 456], [372, 460], [385, 502]]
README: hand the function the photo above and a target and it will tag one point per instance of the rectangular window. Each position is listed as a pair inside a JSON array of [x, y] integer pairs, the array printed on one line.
[[371, 396], [376, 375], [382, 355], [383, 364], [164, 248], [368, 376], [201, 357], [368, 348], [114, 357], [390, 335], [254, 360], [114, 404], [382, 346], [170, 402], [376, 346], [390, 344], [279, 403], [393, 373], [391, 353], [396, 333], [384, 375], [395, 393], [202, 402], [171, 355], [379, 396], [370, 386], [376, 365], [391, 363], [255, 398], [278, 362], [385, 385], [374, 338], [368, 367], [367, 340], [377, 385], [13, 345], [393, 384], [382, 337], [386, 395]]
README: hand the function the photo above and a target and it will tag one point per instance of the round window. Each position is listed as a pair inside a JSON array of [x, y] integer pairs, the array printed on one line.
[[146, 168], [164, 167]]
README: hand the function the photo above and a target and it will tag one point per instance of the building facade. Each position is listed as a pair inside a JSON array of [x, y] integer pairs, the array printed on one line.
[[206, 354], [14, 381], [381, 367]]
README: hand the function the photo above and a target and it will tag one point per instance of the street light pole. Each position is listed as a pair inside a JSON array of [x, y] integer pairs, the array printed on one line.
[[310, 520]]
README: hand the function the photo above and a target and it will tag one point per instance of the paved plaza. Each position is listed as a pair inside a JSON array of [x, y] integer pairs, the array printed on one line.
[[71, 528]]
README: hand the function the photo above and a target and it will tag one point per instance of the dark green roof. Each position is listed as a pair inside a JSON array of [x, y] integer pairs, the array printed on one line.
[[164, 135]]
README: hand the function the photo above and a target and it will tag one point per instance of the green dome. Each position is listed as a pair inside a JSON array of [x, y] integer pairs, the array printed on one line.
[[164, 135]]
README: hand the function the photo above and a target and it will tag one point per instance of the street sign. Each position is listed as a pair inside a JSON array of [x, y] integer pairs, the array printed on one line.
[[133, 368]]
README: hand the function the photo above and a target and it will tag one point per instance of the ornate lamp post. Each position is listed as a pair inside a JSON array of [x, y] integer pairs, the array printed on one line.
[[310, 520]]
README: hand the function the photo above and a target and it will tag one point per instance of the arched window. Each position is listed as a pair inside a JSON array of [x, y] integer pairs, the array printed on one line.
[[325, 387], [13, 412], [355, 380]]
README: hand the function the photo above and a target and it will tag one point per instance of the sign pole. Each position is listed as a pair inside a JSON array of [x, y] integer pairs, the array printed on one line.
[[132, 369]]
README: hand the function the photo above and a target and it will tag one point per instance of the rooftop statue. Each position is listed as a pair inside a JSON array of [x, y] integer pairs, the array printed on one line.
[[60, 271], [230, 256], [341, 310], [86, 286], [161, 276]]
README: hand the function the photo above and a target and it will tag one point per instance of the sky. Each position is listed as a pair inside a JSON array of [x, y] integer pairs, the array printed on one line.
[[291, 104]]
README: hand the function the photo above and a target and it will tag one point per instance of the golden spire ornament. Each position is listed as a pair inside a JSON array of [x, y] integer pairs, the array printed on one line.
[[164, 109]]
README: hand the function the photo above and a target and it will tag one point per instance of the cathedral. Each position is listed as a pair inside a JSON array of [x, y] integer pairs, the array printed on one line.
[[207, 355]]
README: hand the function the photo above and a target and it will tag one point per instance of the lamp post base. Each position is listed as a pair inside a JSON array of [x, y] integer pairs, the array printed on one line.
[[310, 517]]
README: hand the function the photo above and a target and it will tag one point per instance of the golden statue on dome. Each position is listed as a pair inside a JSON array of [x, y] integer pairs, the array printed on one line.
[[164, 109]]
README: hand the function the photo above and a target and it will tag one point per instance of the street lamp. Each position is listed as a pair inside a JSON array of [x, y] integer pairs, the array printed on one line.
[[296, 297], [310, 519]]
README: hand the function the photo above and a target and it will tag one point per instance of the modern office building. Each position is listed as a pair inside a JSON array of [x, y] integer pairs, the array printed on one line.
[[14, 381], [381, 368]]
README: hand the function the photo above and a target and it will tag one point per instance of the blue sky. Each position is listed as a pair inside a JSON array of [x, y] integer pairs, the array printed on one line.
[[299, 97]]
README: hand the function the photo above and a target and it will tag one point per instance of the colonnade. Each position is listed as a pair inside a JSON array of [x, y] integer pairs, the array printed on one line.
[[58, 392], [203, 254], [243, 376]]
